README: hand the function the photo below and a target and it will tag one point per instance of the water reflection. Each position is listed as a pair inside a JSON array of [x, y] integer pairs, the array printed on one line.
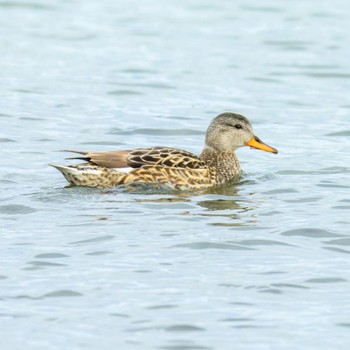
[[224, 202], [220, 204]]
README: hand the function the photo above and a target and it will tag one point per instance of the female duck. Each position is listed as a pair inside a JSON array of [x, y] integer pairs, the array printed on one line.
[[216, 165]]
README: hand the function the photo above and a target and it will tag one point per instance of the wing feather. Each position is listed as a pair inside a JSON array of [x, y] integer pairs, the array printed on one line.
[[111, 159], [140, 157], [165, 156]]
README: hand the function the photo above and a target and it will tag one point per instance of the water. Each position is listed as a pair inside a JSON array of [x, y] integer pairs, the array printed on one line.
[[263, 264]]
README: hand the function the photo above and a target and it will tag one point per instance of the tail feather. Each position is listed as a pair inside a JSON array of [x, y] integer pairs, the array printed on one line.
[[74, 151], [71, 173], [80, 158], [90, 175], [86, 159], [64, 168]]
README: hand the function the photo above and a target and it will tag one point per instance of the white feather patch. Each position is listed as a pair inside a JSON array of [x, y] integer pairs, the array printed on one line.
[[124, 170]]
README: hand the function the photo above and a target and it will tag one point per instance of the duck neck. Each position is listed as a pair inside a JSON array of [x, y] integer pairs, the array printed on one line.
[[226, 164]]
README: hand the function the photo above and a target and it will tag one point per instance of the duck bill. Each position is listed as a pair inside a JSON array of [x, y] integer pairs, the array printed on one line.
[[255, 142]]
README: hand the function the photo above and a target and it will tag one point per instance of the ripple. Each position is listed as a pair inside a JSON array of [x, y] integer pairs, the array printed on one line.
[[24, 5], [31, 119], [241, 303], [51, 256], [158, 86], [289, 285], [99, 253], [342, 207], [93, 240], [7, 182], [264, 80], [183, 328], [210, 245], [3, 315], [261, 8], [124, 92], [286, 42], [3, 115], [16, 209], [280, 191], [335, 170], [55, 294], [321, 14], [339, 133], [139, 71], [273, 272], [326, 280], [310, 232], [62, 294], [255, 242], [330, 170], [318, 75], [344, 324], [4, 139], [238, 319], [185, 347], [25, 91], [340, 241], [288, 45], [38, 265], [337, 250], [304, 200], [160, 307], [330, 184], [271, 291], [116, 314], [328, 75]]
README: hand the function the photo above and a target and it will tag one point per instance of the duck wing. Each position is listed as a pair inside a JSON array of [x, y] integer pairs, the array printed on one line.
[[140, 157]]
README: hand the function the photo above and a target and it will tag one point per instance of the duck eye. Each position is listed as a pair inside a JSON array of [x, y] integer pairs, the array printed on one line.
[[238, 126]]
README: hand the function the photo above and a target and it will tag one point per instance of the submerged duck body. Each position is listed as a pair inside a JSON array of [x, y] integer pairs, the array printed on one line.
[[176, 168]]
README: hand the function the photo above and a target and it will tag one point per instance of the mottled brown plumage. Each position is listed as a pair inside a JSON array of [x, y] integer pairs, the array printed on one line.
[[179, 169]]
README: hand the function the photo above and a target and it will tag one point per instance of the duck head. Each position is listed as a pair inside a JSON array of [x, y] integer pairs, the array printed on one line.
[[229, 131]]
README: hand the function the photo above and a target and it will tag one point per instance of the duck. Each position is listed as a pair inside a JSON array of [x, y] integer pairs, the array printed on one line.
[[216, 165]]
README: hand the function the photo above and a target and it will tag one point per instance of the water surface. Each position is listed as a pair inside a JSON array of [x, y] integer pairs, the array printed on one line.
[[263, 264]]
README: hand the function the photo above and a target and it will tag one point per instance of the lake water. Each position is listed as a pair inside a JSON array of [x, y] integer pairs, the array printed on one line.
[[263, 264]]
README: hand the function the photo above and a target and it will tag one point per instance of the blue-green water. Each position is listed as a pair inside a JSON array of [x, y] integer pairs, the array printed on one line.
[[261, 265]]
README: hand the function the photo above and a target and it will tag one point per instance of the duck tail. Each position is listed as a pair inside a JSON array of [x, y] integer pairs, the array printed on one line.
[[89, 175]]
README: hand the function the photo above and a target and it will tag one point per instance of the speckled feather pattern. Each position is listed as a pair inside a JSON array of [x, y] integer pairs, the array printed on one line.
[[169, 166]]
